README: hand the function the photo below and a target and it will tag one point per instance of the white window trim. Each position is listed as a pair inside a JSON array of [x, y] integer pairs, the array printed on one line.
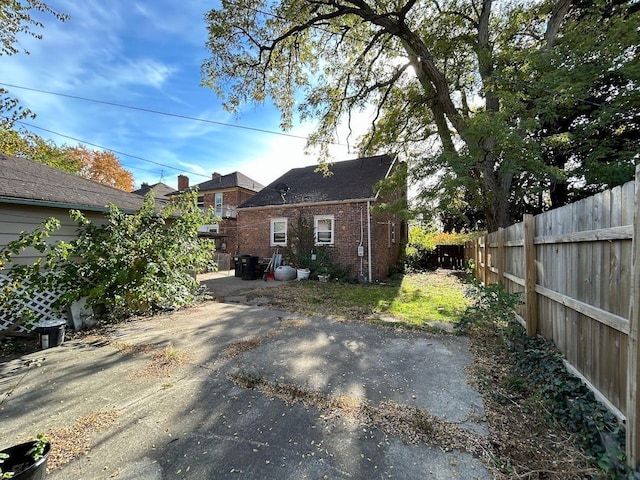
[[318, 218], [286, 233], [218, 207]]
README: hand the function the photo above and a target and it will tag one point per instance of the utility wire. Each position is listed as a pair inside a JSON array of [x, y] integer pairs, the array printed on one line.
[[110, 149], [158, 112]]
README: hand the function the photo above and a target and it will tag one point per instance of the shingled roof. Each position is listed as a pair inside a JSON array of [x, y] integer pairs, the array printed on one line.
[[235, 179], [161, 191], [26, 182], [350, 180]]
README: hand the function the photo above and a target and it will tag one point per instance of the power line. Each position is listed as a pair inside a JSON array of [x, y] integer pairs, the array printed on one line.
[[110, 149], [167, 114]]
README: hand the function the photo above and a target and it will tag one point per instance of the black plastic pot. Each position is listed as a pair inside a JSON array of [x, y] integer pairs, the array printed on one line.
[[23, 466]]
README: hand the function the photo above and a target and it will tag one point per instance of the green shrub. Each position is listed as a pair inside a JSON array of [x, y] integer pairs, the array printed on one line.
[[134, 264]]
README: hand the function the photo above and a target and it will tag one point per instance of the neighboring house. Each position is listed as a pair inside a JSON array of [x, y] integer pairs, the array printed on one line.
[[31, 192], [340, 207], [161, 192], [224, 193]]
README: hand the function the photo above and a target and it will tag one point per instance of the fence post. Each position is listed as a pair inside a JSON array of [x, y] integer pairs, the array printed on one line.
[[530, 298], [633, 375], [500, 260]]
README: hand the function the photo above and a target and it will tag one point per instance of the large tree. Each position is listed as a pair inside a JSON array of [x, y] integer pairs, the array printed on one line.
[[442, 77], [23, 143], [96, 165], [101, 167]]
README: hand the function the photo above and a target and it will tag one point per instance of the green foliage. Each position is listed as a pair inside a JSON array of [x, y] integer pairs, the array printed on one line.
[[490, 304], [141, 263], [37, 451], [302, 251], [3, 457], [22, 143], [424, 239], [495, 106], [133, 264], [421, 242], [25, 280], [569, 401], [542, 376]]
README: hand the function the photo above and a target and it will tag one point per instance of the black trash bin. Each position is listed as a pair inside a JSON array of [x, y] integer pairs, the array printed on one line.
[[237, 263], [249, 266], [50, 333]]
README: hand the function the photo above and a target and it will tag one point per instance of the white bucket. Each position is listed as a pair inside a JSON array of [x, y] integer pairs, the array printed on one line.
[[303, 273]]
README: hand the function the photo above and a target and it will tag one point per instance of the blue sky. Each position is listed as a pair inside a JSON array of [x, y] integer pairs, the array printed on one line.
[[147, 55]]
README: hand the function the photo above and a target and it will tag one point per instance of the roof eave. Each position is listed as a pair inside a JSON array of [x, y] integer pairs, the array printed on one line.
[[61, 205], [303, 204]]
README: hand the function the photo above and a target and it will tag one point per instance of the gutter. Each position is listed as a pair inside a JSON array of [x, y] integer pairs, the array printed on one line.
[[66, 206], [307, 204]]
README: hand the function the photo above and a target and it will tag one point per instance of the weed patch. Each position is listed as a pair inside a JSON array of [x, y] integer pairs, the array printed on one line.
[[164, 362]]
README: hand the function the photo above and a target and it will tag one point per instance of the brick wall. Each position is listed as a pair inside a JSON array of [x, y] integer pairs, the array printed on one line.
[[254, 225], [233, 197], [227, 226]]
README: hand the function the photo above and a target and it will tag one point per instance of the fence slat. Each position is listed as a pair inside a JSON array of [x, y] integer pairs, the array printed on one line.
[[531, 302], [633, 379]]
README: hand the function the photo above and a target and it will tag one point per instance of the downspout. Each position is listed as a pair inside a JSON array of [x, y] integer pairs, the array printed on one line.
[[369, 236]]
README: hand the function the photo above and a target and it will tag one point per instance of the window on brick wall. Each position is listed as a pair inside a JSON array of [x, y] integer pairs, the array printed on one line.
[[324, 229], [218, 204], [278, 232], [200, 201]]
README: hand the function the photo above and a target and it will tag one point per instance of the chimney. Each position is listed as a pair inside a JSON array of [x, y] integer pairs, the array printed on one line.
[[216, 176], [183, 182]]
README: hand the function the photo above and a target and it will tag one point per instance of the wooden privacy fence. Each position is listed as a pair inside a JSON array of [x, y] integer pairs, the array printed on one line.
[[578, 270]]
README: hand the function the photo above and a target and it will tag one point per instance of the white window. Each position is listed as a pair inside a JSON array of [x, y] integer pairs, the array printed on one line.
[[218, 204], [324, 229], [200, 201], [210, 228], [278, 231]]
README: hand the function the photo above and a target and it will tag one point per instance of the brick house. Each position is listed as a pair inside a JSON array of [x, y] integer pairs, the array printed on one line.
[[224, 193], [340, 206]]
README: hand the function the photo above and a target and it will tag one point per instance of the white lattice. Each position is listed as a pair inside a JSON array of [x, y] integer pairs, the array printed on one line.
[[40, 303]]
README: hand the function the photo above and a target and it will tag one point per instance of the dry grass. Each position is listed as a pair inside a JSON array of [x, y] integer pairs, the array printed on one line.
[[526, 442], [409, 423], [131, 349], [68, 443], [163, 363]]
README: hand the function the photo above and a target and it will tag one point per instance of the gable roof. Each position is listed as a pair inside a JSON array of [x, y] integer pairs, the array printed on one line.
[[26, 182], [161, 191], [350, 180], [235, 179]]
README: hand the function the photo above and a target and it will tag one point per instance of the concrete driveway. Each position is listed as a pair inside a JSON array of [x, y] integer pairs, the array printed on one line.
[[135, 408]]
